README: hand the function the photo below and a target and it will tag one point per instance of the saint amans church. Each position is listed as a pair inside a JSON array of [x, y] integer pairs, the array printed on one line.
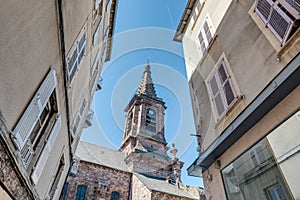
[[141, 169]]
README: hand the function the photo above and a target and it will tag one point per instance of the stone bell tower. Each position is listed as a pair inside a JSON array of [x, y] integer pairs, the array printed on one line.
[[144, 144]]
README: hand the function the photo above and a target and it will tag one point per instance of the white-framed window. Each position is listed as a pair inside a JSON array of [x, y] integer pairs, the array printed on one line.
[[39, 166], [282, 17], [196, 11], [97, 10], [77, 53], [276, 193], [221, 88], [29, 133], [205, 36], [79, 116]]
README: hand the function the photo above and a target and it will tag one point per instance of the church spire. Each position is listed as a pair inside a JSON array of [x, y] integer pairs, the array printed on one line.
[[146, 86]]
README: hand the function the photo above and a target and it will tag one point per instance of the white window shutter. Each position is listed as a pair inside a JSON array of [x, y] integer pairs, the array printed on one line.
[[216, 94], [29, 118], [46, 151]]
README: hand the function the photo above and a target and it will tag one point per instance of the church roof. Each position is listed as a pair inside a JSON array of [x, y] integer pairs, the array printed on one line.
[[146, 86], [101, 156], [159, 185]]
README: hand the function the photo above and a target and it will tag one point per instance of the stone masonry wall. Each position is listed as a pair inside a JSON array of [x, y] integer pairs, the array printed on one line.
[[164, 196], [9, 176], [110, 180], [139, 190]]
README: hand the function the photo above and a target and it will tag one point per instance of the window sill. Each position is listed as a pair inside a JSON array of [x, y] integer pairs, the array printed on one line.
[[292, 45]]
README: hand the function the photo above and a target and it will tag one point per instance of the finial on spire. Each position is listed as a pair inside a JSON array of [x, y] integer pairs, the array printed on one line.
[[146, 86], [148, 60]]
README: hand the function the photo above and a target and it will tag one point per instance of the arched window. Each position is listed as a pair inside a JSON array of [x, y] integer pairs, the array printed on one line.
[[151, 120], [81, 190], [115, 195]]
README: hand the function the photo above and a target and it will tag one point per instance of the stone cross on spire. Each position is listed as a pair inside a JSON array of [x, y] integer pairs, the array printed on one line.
[[146, 86]]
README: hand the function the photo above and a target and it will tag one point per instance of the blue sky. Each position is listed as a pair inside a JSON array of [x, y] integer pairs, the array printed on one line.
[[145, 29]]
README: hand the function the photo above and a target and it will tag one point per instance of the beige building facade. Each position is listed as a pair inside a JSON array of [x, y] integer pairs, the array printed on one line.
[[52, 53], [242, 61]]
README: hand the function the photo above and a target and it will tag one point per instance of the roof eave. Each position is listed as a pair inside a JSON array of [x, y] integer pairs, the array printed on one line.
[[112, 18], [184, 21]]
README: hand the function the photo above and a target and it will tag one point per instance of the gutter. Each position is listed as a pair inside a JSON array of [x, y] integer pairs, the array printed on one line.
[[112, 17], [279, 88], [63, 51], [184, 20]]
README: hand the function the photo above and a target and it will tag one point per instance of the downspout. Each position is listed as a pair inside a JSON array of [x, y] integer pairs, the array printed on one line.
[[63, 51]]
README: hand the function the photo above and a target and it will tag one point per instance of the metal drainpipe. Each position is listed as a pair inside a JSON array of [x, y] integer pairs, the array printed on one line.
[[63, 51]]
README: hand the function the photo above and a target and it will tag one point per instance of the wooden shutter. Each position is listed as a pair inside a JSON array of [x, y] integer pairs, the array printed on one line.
[[221, 87], [32, 113], [207, 33], [280, 24], [263, 9], [201, 42], [38, 169], [216, 94], [226, 84], [79, 116], [277, 20]]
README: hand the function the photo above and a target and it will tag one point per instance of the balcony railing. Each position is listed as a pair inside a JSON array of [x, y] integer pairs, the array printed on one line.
[[279, 17]]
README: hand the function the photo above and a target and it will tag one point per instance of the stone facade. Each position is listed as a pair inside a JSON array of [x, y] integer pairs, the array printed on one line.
[[101, 181], [163, 196], [139, 190]]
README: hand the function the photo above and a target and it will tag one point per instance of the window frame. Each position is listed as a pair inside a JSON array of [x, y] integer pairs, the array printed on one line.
[[204, 39], [79, 116], [281, 10], [221, 88], [196, 11], [77, 53], [82, 196]]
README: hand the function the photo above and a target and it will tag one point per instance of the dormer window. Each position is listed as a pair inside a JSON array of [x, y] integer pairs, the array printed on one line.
[[151, 120]]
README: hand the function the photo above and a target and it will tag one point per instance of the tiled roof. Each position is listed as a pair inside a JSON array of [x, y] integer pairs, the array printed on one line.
[[102, 156], [164, 187]]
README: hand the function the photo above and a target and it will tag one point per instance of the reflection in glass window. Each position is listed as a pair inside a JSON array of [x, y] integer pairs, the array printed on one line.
[[255, 175]]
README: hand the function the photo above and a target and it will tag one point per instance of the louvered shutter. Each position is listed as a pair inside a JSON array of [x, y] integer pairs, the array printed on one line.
[[263, 9], [46, 151], [201, 41], [280, 24], [216, 94], [227, 88], [32, 113]]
